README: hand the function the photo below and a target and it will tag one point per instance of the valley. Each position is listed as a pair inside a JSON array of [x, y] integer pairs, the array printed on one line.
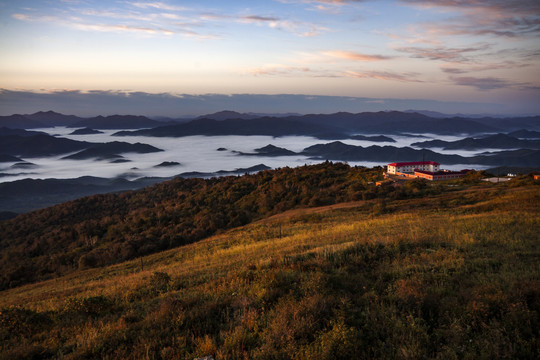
[[228, 142]]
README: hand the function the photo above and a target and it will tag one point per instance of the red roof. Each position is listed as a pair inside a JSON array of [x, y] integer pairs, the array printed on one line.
[[414, 163]]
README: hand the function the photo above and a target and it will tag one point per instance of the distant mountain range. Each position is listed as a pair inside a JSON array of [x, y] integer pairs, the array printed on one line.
[[498, 141], [260, 126], [39, 145], [343, 152], [51, 119], [326, 126], [525, 134], [228, 114], [117, 122]]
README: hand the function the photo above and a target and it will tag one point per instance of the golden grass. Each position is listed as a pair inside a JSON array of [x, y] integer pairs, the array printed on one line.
[[336, 228]]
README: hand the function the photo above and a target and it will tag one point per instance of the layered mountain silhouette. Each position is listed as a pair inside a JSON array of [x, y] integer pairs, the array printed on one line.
[[339, 151], [19, 122], [4, 131], [34, 144], [112, 150], [498, 141], [260, 126], [39, 145], [269, 150], [86, 131], [44, 119], [51, 118], [380, 138], [118, 122], [334, 125], [525, 134], [339, 125]]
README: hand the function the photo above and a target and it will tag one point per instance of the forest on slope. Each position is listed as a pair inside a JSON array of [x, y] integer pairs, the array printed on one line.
[[106, 229], [443, 275]]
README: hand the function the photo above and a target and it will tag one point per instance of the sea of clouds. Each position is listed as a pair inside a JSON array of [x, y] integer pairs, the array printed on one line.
[[194, 153]]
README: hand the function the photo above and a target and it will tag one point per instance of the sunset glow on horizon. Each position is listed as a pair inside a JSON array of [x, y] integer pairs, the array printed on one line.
[[446, 50]]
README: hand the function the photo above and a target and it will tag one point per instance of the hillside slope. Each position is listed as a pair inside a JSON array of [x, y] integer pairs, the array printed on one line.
[[106, 229], [454, 275]]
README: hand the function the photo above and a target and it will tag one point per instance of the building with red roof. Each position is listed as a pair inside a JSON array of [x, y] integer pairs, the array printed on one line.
[[410, 167], [429, 170]]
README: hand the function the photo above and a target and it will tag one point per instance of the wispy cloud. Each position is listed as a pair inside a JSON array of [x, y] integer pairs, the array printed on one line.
[[121, 28], [159, 6], [385, 75], [147, 24], [485, 83], [278, 70], [460, 55], [501, 18], [299, 28], [355, 56], [281, 70], [327, 2], [483, 67], [331, 7], [34, 18]]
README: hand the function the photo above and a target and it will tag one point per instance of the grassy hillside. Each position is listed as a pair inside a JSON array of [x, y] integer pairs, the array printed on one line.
[[106, 229], [453, 275]]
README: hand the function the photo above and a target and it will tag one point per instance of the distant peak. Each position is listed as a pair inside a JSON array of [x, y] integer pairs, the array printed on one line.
[[49, 112]]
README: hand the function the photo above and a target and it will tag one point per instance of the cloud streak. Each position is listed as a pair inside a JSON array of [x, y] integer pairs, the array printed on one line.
[[499, 18], [384, 75], [443, 53], [484, 83], [354, 56], [148, 24], [299, 28], [158, 6]]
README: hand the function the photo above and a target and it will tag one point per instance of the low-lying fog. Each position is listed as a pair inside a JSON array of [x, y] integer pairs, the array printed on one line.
[[194, 153]]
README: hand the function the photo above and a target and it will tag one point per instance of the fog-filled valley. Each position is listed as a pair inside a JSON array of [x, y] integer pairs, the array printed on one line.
[[207, 154], [47, 158]]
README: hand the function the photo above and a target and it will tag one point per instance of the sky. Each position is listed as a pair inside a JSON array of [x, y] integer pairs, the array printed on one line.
[[445, 55]]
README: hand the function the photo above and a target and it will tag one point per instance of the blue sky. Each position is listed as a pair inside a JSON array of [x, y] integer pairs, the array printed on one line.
[[442, 50]]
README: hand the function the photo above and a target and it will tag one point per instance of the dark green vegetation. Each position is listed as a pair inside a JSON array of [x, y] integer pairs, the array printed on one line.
[[32, 194], [423, 271], [107, 229]]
